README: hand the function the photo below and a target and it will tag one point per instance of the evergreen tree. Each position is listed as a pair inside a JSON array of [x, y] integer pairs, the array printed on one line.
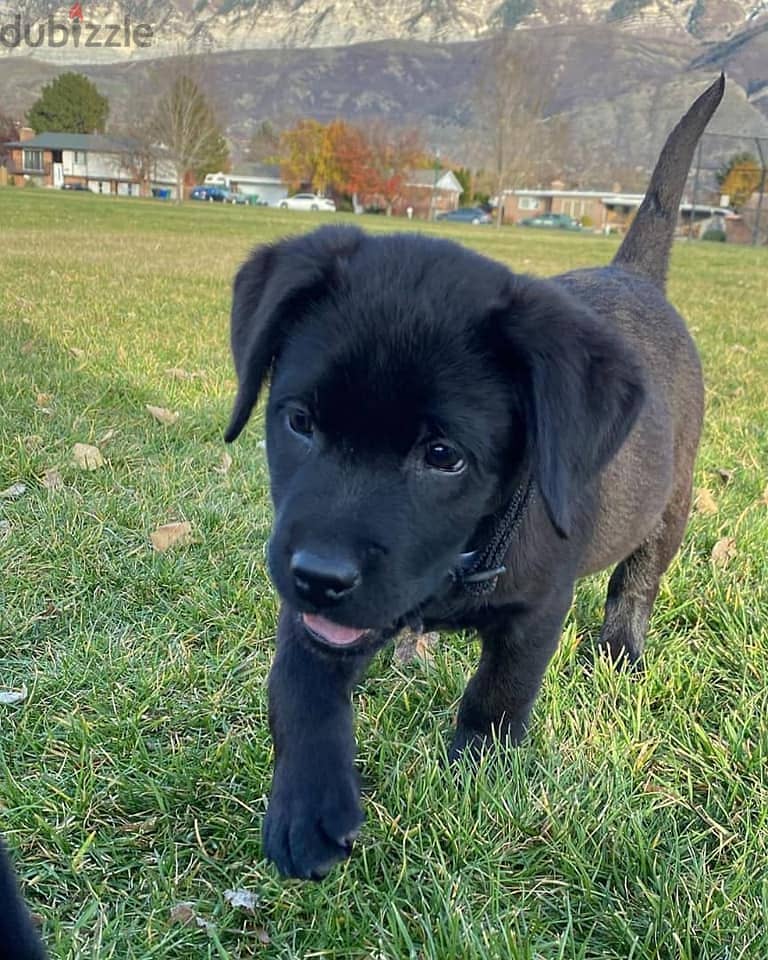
[[69, 104]]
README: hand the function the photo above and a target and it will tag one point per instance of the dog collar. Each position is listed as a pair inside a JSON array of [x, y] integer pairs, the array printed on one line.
[[479, 570]]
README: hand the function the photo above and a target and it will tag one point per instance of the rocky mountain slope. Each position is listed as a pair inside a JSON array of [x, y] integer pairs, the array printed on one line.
[[268, 24]]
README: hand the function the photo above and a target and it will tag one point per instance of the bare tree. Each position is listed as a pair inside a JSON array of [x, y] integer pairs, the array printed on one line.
[[512, 134], [182, 121]]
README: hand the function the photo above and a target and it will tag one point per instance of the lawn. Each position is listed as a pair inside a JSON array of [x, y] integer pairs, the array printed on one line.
[[134, 775]]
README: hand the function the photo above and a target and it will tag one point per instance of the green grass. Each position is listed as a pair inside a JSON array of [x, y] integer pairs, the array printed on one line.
[[632, 824]]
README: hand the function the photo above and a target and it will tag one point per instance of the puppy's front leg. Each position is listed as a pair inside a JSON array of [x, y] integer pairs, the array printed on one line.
[[314, 809], [516, 650]]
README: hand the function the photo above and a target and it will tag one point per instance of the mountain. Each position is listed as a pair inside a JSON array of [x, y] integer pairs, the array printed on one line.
[[214, 25], [618, 89]]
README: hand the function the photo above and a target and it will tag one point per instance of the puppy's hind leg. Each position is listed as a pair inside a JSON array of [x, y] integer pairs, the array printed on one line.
[[635, 582]]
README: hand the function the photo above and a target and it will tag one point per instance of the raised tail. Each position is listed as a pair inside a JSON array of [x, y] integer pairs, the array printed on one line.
[[648, 241]]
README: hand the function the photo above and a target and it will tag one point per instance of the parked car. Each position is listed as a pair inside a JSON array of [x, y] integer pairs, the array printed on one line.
[[558, 221], [80, 187], [307, 201], [466, 215], [215, 194]]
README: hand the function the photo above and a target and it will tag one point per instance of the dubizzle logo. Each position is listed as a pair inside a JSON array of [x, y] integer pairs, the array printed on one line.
[[75, 32]]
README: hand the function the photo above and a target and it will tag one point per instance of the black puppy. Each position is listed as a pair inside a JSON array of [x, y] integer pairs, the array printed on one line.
[[18, 939], [453, 445]]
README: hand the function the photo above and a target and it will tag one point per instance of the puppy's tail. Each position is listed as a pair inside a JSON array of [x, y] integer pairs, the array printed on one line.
[[648, 241]]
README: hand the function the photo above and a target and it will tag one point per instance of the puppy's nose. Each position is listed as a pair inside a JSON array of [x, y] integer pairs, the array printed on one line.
[[323, 579]]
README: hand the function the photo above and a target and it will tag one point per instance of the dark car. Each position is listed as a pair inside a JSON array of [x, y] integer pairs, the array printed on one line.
[[466, 215], [214, 194], [558, 221]]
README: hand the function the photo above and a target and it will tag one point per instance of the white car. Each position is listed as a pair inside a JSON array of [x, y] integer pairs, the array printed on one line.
[[307, 201]]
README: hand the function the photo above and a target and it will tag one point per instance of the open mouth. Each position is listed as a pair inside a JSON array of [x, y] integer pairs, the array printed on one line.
[[333, 634]]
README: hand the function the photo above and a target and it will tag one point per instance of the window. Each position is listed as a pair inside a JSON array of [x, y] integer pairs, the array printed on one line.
[[79, 157], [33, 160], [528, 203]]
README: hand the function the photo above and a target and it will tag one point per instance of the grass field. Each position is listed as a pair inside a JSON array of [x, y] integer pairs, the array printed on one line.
[[133, 777]]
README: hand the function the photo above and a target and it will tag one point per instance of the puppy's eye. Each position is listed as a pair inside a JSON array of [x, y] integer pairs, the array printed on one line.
[[300, 422], [442, 456]]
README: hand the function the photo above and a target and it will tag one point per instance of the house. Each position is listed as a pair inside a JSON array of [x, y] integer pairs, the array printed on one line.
[[603, 210], [260, 180], [429, 192], [101, 163]]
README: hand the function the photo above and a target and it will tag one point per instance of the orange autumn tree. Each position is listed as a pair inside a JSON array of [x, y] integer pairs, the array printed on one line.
[[349, 160]]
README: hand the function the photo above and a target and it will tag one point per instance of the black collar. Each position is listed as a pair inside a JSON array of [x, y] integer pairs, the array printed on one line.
[[478, 572]]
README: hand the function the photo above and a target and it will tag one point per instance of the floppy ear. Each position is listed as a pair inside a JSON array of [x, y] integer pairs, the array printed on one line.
[[583, 385], [269, 291]]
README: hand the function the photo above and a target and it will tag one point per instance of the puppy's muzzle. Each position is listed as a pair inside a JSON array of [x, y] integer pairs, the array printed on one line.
[[323, 579]]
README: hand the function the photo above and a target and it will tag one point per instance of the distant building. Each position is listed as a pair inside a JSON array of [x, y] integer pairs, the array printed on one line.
[[260, 180], [429, 192], [603, 210], [100, 163]]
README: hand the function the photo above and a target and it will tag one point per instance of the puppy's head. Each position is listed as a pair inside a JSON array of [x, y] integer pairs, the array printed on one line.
[[414, 384]]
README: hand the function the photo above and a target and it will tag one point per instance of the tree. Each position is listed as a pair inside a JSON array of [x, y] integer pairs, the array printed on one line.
[[69, 104], [8, 133], [393, 154], [264, 145], [304, 155], [740, 177], [512, 97], [183, 124]]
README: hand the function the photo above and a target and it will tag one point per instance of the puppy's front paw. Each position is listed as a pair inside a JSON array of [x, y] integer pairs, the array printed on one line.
[[312, 820]]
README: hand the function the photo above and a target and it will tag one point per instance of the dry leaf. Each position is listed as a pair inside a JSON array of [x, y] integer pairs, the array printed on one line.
[[739, 348], [168, 417], [52, 480], [724, 551], [224, 465], [44, 399], [725, 475], [183, 913], [415, 646], [13, 492], [262, 936], [27, 347], [704, 502], [242, 898], [109, 435], [13, 696], [172, 535], [87, 457], [77, 352]]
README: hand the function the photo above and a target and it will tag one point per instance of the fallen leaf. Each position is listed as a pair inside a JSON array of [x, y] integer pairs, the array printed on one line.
[[704, 502], [262, 936], [13, 696], [723, 551], [183, 913], [44, 401], [739, 348], [725, 475], [77, 352], [13, 492], [33, 442], [224, 465], [27, 347], [172, 535], [87, 457], [168, 417], [52, 480], [415, 646], [109, 435], [242, 898]]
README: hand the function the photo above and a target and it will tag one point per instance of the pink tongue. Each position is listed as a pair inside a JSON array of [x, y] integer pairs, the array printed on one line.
[[331, 632]]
